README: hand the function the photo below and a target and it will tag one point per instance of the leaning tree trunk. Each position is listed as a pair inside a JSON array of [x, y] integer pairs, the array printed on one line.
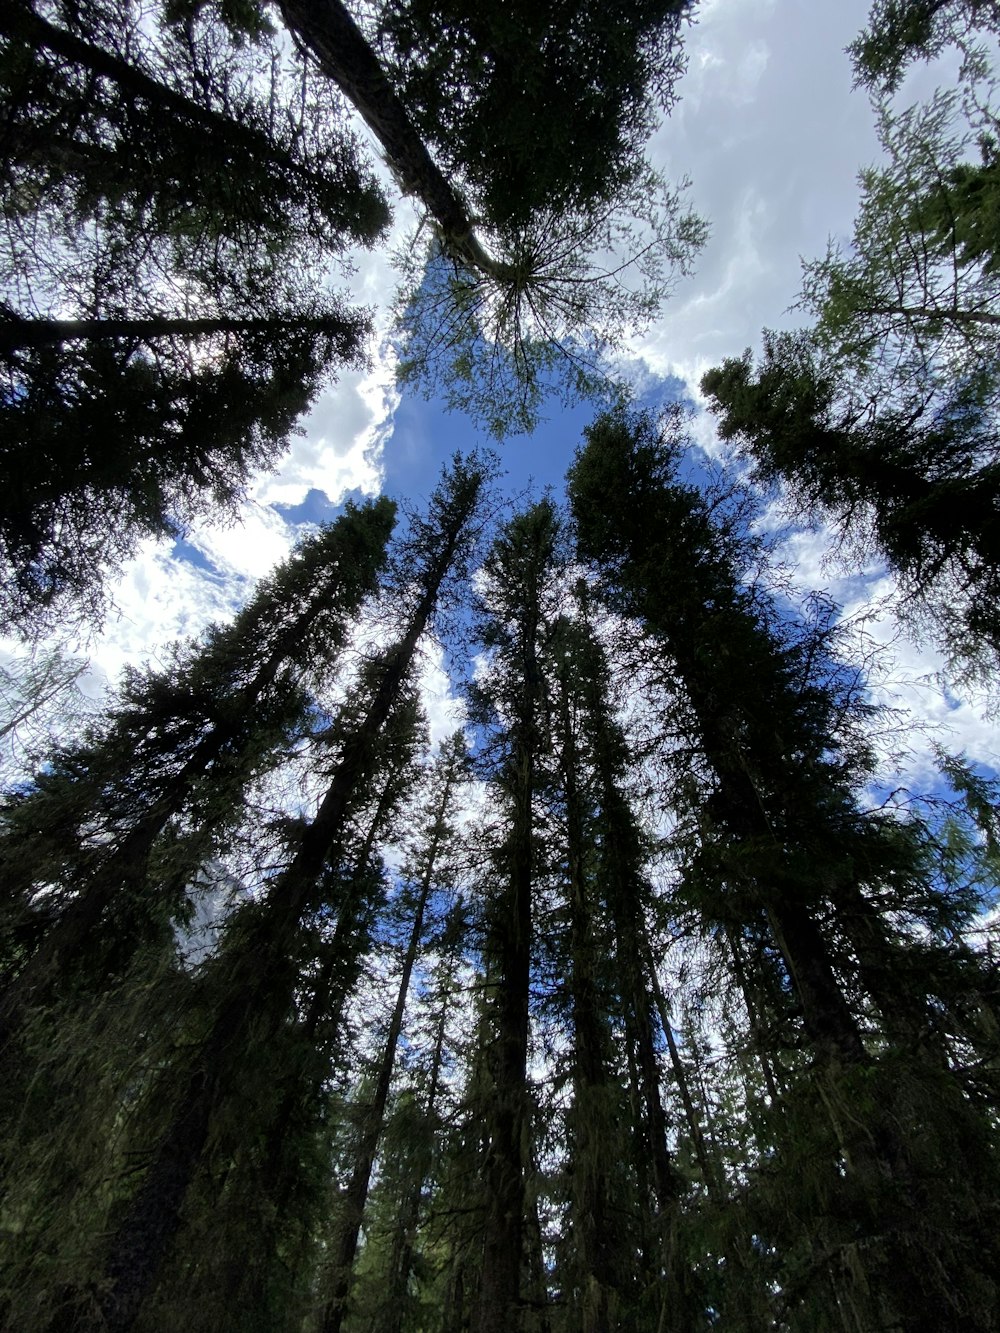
[[326, 29], [17, 331]]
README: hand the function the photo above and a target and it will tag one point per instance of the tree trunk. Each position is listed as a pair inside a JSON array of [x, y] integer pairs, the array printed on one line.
[[355, 1196], [17, 332], [327, 30], [593, 1228], [507, 1115], [709, 1168]]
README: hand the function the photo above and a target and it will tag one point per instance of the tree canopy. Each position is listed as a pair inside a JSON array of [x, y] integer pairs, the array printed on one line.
[[623, 985]]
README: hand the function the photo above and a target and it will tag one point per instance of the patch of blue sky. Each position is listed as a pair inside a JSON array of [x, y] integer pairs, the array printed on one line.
[[426, 434], [316, 509], [192, 555]]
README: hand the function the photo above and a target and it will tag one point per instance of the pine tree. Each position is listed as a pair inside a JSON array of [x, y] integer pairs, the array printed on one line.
[[162, 325], [116, 846], [425, 875], [193, 407], [490, 320], [171, 126], [785, 848], [163, 778], [249, 1248], [518, 571], [618, 1159], [403, 1275], [254, 978], [916, 482]]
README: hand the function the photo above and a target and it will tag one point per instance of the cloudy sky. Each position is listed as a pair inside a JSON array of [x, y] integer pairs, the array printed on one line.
[[771, 136]]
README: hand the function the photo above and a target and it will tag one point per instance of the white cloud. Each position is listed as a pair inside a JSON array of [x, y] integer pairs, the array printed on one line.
[[340, 447], [247, 547], [772, 138], [158, 600], [445, 709]]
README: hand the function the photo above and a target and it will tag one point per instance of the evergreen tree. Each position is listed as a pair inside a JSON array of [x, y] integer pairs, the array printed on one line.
[[170, 124], [623, 1188], [162, 325], [118, 430], [162, 779], [113, 851], [589, 83], [489, 319], [404, 1272], [255, 976], [917, 483], [425, 875], [785, 849], [517, 596], [249, 1246]]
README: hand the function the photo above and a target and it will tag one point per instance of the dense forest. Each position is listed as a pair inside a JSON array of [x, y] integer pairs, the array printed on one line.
[[636, 1003]]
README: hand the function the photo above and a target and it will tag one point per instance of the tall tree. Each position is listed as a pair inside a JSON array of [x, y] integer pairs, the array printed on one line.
[[116, 430], [151, 118], [125, 840], [518, 577], [590, 85], [618, 1159], [165, 228], [424, 875], [258, 976], [495, 316], [250, 1249], [177, 754], [782, 805], [917, 482]]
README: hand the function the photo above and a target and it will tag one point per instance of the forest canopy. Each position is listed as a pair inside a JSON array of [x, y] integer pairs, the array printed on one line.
[[516, 910]]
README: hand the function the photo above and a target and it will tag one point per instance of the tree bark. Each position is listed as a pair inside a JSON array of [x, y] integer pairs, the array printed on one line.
[[326, 29]]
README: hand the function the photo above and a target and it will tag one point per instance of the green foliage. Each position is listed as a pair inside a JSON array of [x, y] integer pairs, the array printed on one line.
[[116, 827], [133, 130], [164, 325], [915, 483], [883, 415], [191, 417], [962, 215], [911, 295], [902, 31], [784, 848], [565, 293], [588, 85], [656, 1024]]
